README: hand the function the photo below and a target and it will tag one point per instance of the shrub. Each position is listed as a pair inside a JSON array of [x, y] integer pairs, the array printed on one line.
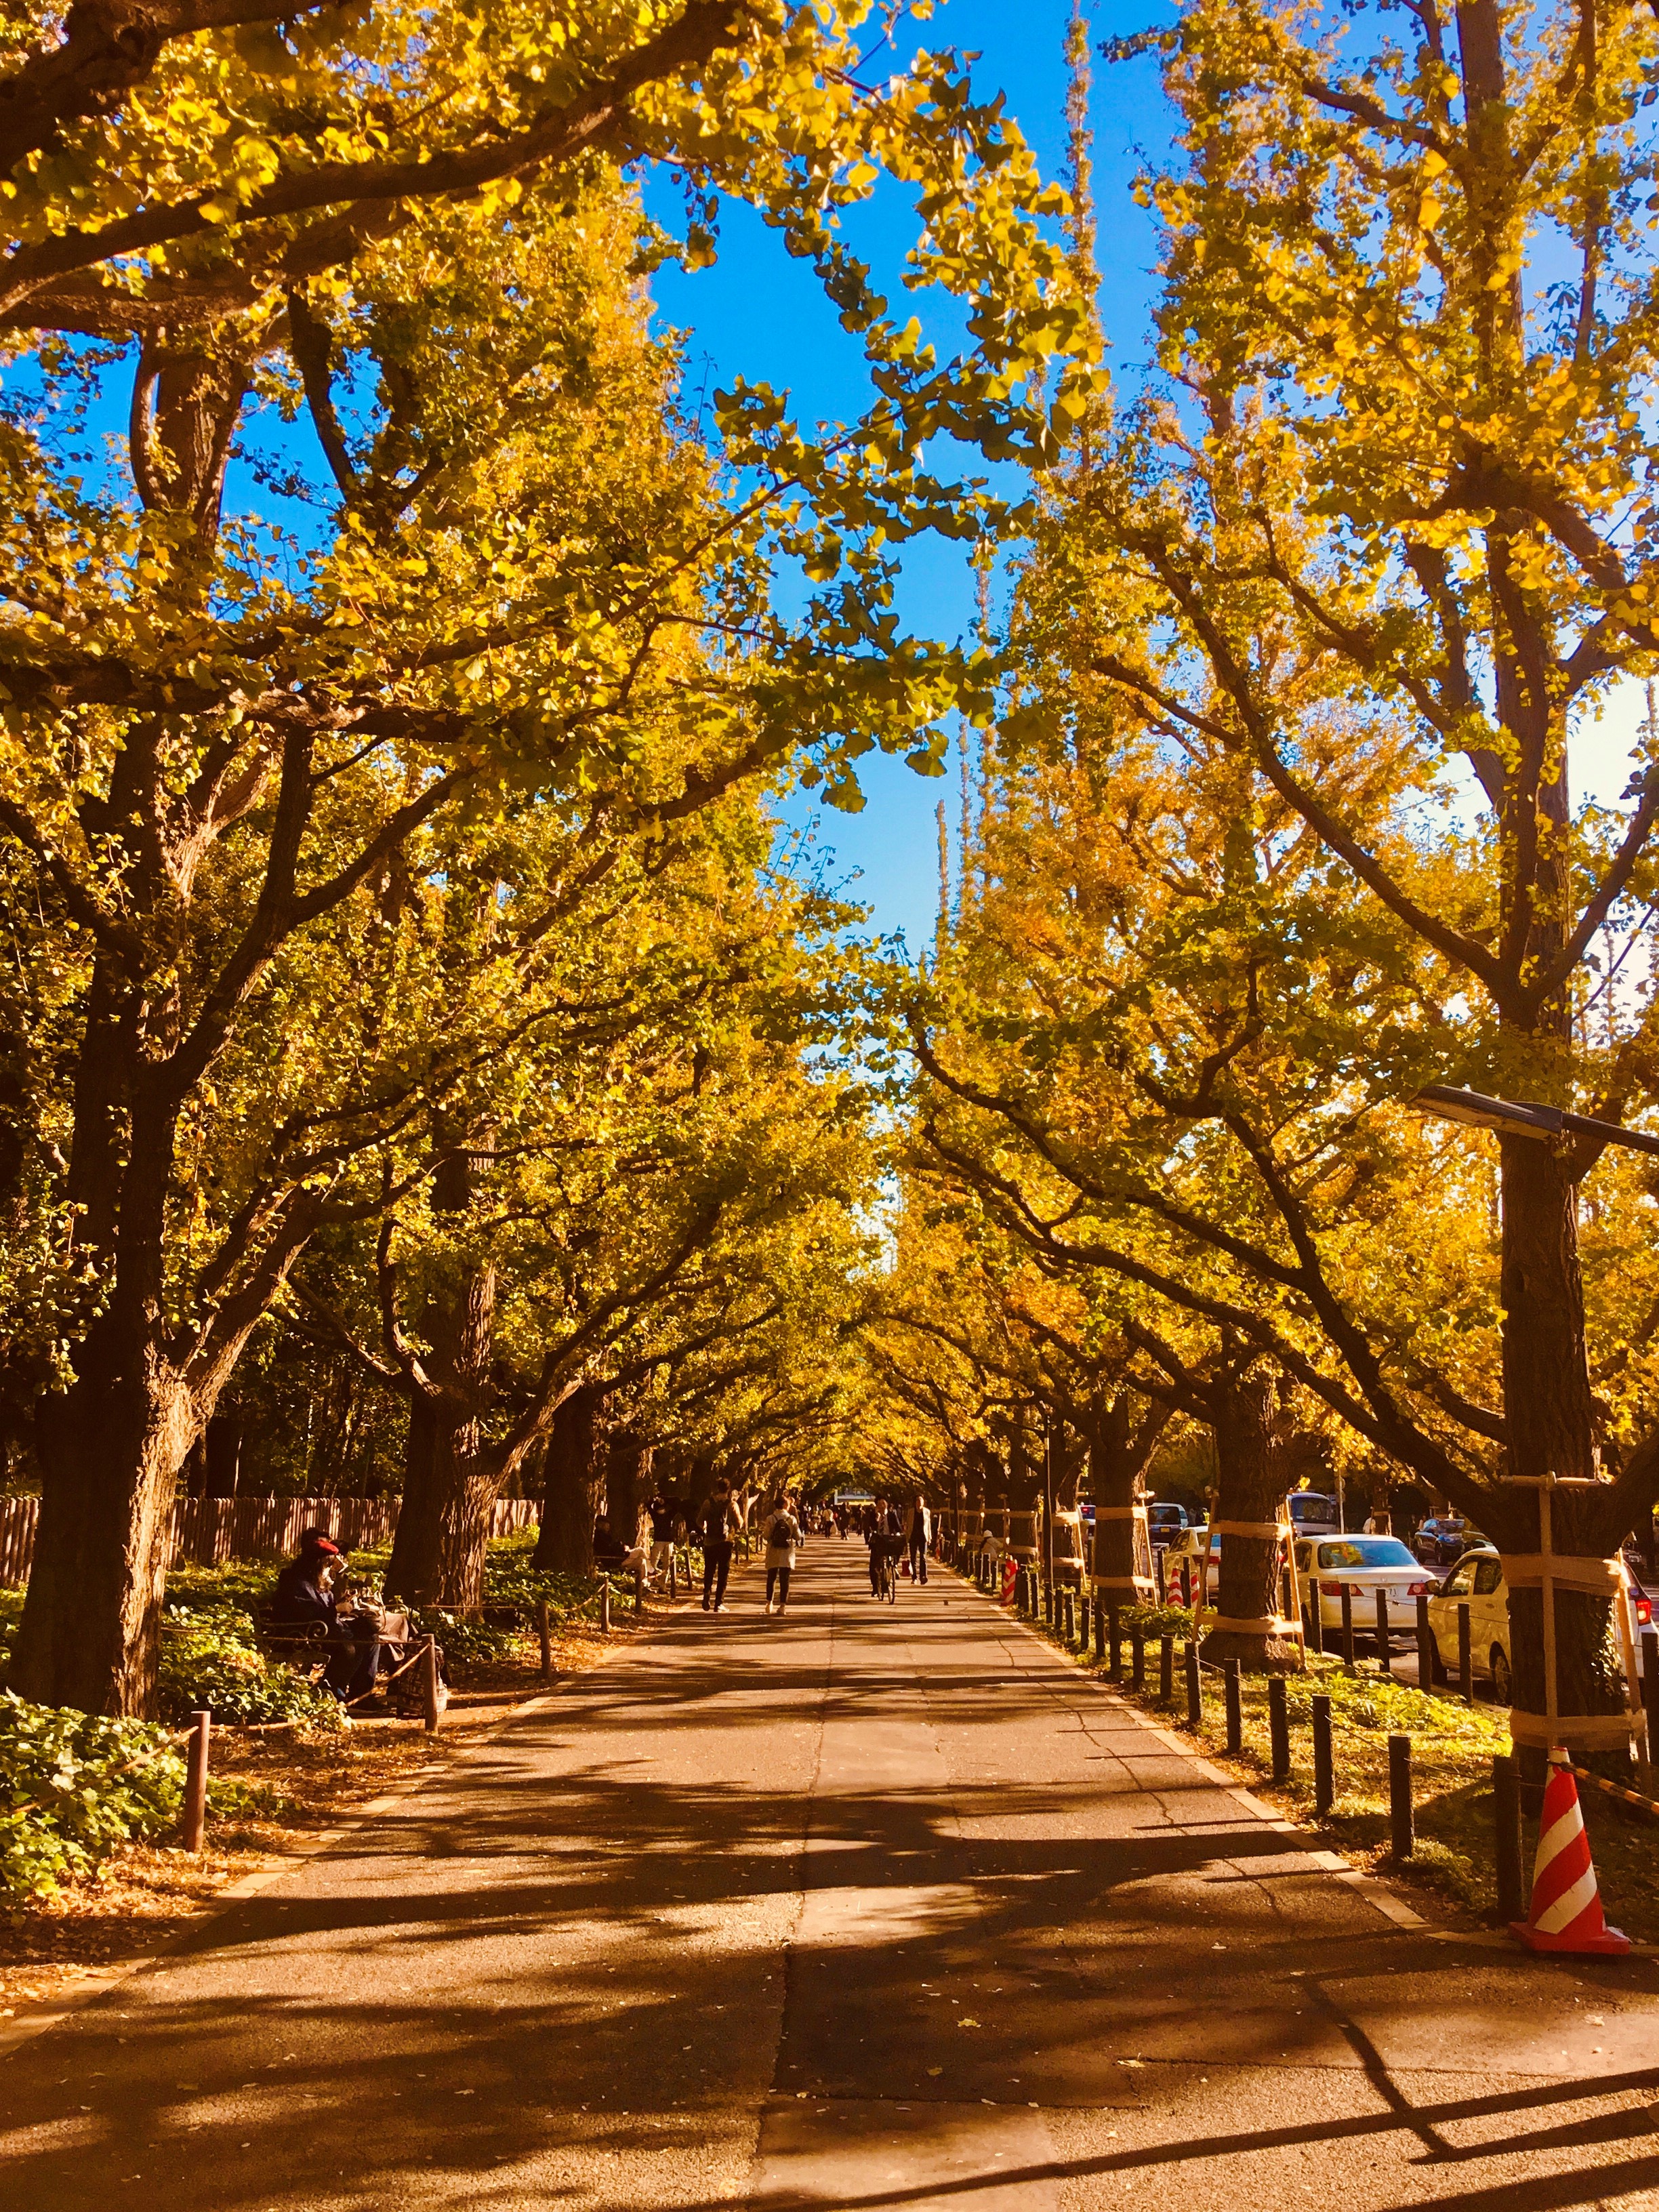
[[209, 1658], [73, 1785]]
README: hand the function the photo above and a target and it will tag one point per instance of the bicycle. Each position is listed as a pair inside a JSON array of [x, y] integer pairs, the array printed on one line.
[[889, 1577]]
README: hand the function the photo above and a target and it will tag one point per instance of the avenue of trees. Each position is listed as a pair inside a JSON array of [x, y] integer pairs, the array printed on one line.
[[1278, 823], [416, 1031], [394, 951]]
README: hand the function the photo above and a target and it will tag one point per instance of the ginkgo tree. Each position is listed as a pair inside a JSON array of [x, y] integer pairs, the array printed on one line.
[[1381, 537], [413, 237]]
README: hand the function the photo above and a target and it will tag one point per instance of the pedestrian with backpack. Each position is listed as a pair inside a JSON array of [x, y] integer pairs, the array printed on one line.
[[782, 1541]]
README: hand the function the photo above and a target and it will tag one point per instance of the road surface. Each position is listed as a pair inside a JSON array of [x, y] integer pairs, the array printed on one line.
[[868, 1907]]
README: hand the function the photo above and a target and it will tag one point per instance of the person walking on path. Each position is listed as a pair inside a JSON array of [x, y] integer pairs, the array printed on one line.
[[921, 1534], [782, 1539], [718, 1519], [664, 1517]]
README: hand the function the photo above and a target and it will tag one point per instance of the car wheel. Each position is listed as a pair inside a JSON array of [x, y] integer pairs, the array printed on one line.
[[1502, 1679]]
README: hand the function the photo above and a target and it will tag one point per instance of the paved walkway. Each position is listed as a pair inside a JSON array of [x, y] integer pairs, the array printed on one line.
[[867, 1908]]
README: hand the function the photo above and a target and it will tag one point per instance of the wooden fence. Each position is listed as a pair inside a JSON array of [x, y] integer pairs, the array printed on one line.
[[211, 1530]]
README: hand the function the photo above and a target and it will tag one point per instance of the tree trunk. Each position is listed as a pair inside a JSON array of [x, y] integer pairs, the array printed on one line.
[[570, 1500], [628, 1483], [222, 1445], [1550, 1417], [1248, 1488], [443, 1524], [1112, 1471], [111, 1448]]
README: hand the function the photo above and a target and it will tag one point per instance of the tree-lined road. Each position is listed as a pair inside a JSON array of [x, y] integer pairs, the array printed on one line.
[[866, 1907]]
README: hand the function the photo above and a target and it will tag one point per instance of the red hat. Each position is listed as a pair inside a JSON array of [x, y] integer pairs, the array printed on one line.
[[322, 1544]]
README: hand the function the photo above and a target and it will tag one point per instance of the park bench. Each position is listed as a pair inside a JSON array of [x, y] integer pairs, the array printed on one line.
[[415, 1689]]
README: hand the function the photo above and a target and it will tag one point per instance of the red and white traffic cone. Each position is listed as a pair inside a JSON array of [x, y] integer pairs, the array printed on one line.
[[1566, 1904]]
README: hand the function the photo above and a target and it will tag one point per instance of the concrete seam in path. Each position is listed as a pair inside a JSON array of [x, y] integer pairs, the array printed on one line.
[[1374, 1892], [98, 1982]]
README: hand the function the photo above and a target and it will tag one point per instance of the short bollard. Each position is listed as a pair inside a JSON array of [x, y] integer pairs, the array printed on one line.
[[1279, 1727], [1465, 1656], [1115, 1670], [1100, 1632], [1400, 1836], [1508, 1864], [1324, 1762], [196, 1779], [1137, 1660], [1083, 1620], [1235, 1706], [1048, 1605], [1316, 1619], [1166, 1670], [431, 1705], [639, 1589], [604, 1607], [1347, 1627], [1425, 1670], [1071, 1619], [545, 1635], [1194, 1688], [1651, 1690], [1382, 1631]]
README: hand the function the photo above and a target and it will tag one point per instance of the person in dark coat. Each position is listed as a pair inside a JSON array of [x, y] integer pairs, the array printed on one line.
[[303, 1596], [720, 1518]]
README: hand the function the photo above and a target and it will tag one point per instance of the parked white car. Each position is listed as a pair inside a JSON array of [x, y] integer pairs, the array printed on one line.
[[1363, 1566], [1478, 1580]]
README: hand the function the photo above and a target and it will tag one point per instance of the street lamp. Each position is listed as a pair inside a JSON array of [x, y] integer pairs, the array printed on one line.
[[1516, 1118]]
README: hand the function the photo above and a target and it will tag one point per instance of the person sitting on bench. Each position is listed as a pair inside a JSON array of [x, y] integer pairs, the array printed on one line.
[[303, 1596], [611, 1555]]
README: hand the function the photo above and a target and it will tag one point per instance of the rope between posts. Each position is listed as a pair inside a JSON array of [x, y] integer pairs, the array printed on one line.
[[1613, 1789]]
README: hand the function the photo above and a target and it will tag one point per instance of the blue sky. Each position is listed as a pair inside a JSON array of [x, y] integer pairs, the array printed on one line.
[[758, 313]]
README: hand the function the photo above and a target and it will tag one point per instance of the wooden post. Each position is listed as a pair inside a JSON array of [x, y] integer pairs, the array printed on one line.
[[429, 1685], [639, 1590], [604, 1607], [1317, 1616], [1382, 1631], [1426, 1646], [1651, 1690], [1400, 1796], [544, 1631], [1166, 1670], [1324, 1759], [1100, 1631], [1194, 1687], [1279, 1727], [1115, 1625], [1347, 1627], [1083, 1620], [1235, 1706], [1137, 1660], [196, 1779], [1506, 1839], [1465, 1656]]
